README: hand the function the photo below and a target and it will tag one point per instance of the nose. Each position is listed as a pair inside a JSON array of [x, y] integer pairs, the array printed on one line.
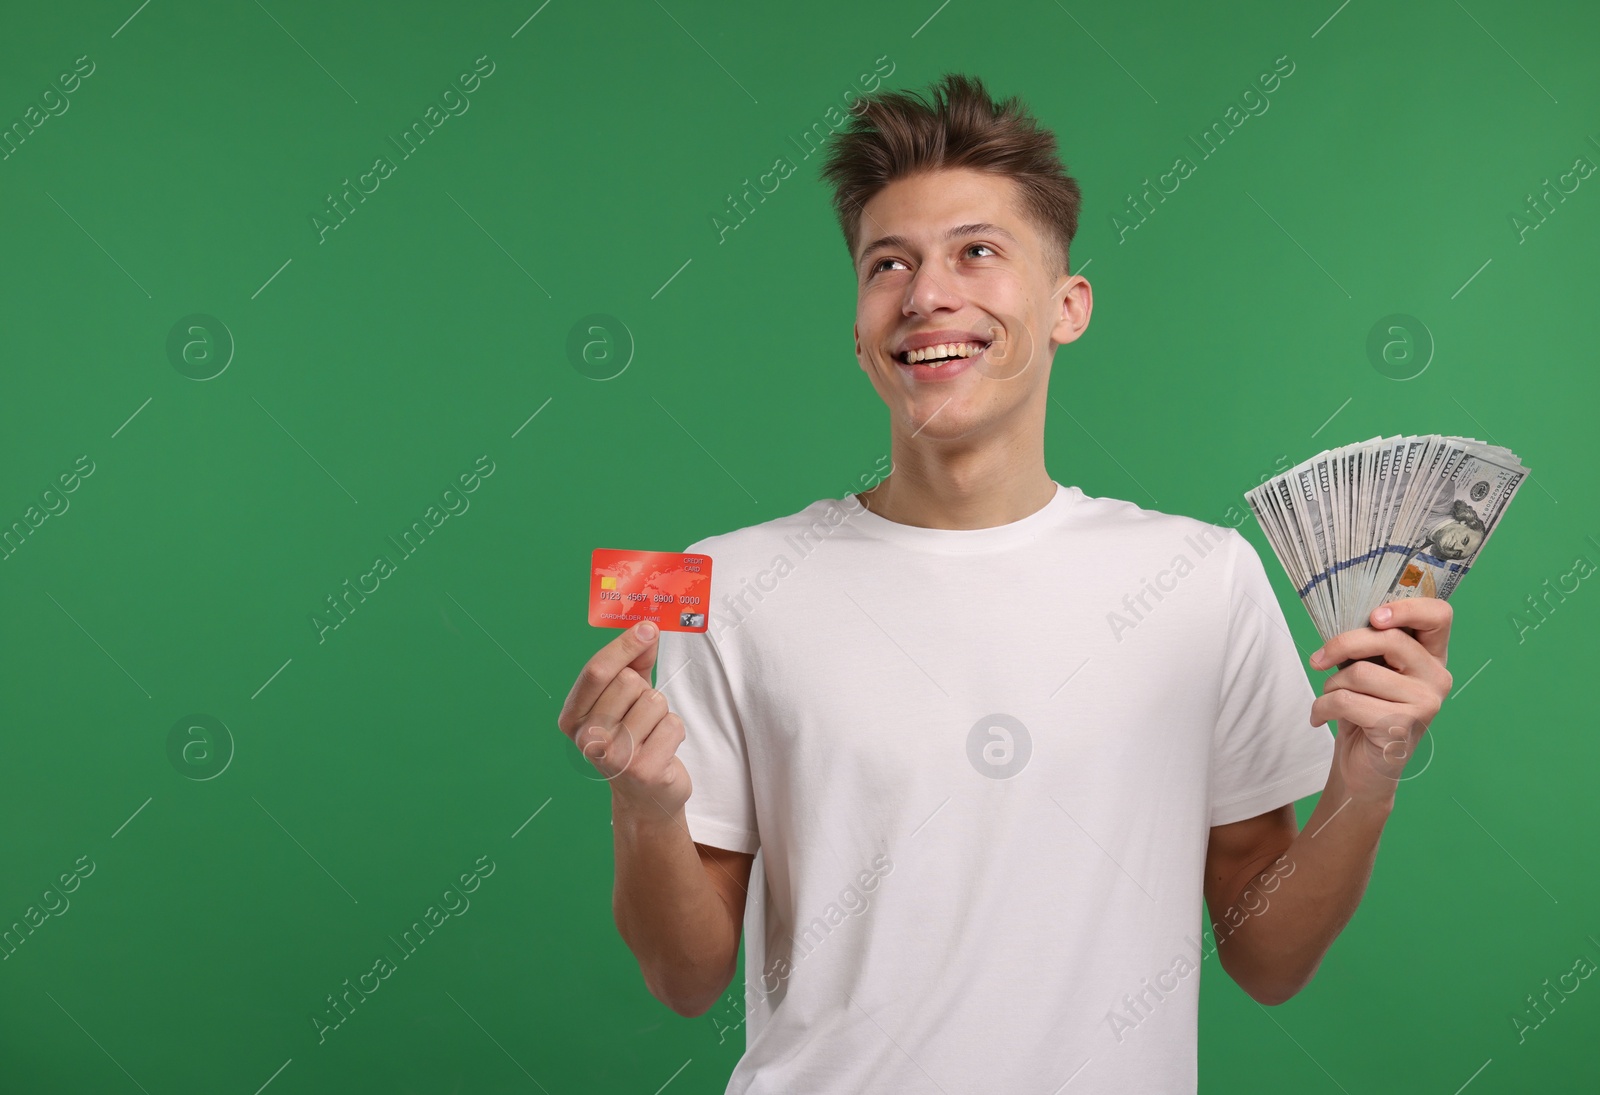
[[930, 290]]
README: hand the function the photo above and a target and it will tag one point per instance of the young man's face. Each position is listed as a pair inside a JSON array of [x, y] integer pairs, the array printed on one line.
[[991, 285]]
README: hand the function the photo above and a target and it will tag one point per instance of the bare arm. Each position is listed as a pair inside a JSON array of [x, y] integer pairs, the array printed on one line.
[[1279, 899], [679, 906], [1286, 896]]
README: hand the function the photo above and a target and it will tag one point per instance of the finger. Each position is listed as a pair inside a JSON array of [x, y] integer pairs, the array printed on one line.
[[604, 743], [1378, 681], [660, 743], [619, 696], [1356, 709], [641, 741], [1397, 648], [643, 715], [612, 703], [634, 649], [1427, 618]]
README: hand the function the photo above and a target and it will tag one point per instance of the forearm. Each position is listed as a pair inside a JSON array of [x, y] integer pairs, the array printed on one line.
[[1273, 937], [668, 913]]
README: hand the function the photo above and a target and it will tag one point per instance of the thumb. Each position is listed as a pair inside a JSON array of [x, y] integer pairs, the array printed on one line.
[[644, 636]]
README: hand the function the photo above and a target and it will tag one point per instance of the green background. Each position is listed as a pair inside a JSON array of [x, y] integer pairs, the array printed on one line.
[[371, 767]]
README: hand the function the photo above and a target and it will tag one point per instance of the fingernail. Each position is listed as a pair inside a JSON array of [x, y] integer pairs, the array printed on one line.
[[1316, 658], [646, 631], [1382, 615]]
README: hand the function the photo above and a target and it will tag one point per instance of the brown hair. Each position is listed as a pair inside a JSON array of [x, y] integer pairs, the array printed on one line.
[[897, 133]]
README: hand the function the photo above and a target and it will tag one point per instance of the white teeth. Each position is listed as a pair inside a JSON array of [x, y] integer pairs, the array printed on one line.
[[947, 349]]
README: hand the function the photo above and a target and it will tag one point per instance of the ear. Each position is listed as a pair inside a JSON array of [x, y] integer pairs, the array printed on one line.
[[856, 330], [1076, 301]]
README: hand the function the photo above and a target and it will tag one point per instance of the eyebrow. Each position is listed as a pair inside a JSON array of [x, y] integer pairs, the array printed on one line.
[[884, 243]]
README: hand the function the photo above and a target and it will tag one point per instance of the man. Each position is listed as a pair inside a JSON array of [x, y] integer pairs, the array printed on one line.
[[993, 737]]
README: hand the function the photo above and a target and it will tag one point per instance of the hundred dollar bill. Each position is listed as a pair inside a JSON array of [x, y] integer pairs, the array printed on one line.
[[1384, 519], [1457, 523]]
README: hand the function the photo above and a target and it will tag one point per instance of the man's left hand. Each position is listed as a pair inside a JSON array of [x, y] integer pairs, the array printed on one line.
[[1382, 710]]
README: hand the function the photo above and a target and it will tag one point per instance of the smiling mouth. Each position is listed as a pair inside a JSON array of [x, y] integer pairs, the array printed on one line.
[[934, 356]]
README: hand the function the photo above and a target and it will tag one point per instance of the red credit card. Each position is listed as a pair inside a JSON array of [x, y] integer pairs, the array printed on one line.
[[668, 587]]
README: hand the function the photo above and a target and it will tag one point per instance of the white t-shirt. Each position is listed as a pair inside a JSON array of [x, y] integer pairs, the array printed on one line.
[[980, 767]]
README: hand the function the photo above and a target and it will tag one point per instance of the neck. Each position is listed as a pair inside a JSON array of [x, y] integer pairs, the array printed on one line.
[[940, 485]]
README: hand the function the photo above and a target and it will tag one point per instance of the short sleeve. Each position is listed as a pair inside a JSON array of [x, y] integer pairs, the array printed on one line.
[[1265, 752], [721, 807]]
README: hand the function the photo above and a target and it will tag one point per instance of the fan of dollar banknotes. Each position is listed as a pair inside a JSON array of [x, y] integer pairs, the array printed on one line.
[[1383, 519]]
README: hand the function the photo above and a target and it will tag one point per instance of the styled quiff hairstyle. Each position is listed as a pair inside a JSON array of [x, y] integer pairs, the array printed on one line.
[[897, 133]]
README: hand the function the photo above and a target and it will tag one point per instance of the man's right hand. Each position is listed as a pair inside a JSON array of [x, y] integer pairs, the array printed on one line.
[[623, 727]]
